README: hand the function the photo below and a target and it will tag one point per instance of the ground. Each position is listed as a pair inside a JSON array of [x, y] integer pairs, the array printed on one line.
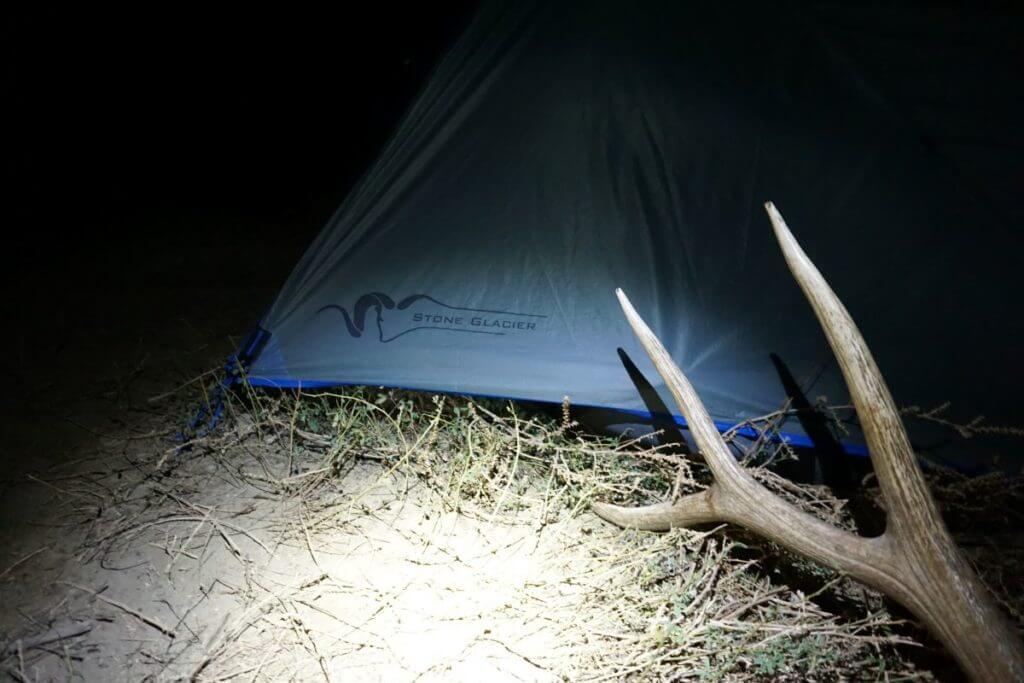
[[91, 336], [289, 546]]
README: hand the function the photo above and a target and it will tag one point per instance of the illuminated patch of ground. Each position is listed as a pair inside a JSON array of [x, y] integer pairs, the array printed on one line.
[[200, 572], [389, 537]]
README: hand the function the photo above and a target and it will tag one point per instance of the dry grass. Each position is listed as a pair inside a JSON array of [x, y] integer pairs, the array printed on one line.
[[382, 535]]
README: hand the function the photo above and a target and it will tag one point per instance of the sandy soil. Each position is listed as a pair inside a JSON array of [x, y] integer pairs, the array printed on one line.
[[90, 337], [194, 572]]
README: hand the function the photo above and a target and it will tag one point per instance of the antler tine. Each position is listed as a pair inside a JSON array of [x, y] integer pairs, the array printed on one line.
[[709, 441], [929, 575], [696, 508], [900, 479]]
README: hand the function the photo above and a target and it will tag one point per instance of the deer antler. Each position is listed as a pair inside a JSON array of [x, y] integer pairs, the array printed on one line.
[[915, 561]]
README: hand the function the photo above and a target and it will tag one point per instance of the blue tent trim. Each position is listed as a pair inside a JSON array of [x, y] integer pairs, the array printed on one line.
[[237, 366]]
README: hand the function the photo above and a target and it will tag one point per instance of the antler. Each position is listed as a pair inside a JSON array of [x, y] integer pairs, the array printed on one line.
[[915, 561]]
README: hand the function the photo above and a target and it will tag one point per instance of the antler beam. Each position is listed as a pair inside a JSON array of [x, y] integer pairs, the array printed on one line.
[[915, 561]]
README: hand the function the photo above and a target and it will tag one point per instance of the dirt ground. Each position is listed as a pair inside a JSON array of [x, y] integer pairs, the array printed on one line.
[[89, 339], [122, 559], [199, 575]]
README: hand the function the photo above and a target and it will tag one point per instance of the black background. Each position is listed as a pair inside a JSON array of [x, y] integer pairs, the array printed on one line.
[[219, 126]]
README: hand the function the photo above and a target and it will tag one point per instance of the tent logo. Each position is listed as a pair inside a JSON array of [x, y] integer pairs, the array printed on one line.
[[424, 312]]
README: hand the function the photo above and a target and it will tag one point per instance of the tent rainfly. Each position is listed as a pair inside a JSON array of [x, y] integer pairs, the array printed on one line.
[[561, 150]]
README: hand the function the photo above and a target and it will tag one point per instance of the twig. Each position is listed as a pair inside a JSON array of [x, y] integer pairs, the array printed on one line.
[[24, 559], [63, 631], [166, 630], [172, 392]]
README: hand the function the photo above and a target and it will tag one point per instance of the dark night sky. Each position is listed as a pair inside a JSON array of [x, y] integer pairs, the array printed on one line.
[[123, 115]]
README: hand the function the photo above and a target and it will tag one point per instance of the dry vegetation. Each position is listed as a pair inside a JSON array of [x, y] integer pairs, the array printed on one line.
[[381, 535]]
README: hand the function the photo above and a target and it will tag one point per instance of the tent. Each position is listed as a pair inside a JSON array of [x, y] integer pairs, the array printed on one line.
[[561, 150]]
